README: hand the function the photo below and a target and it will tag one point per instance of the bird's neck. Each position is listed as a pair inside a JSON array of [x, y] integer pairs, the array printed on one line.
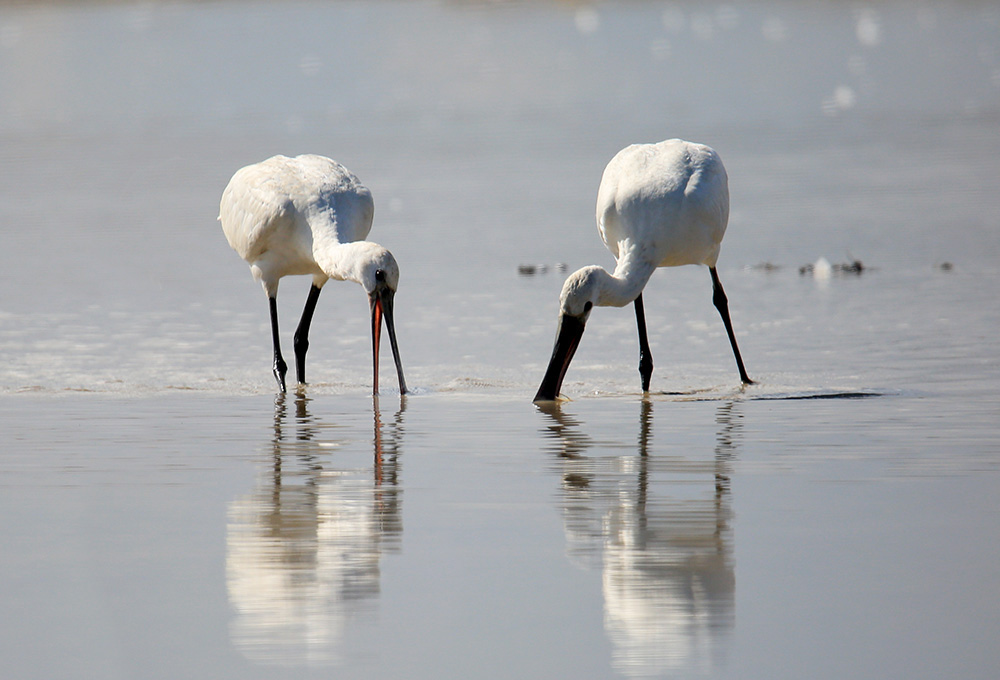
[[629, 278], [342, 261]]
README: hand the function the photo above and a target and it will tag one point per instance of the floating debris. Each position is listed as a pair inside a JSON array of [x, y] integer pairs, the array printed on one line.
[[822, 269], [765, 267], [946, 266], [532, 269], [854, 267]]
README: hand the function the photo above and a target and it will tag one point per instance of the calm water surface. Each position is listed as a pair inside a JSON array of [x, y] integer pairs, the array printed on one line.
[[167, 515]]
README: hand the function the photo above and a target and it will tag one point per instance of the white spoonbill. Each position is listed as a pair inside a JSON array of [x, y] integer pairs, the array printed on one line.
[[659, 205], [309, 215]]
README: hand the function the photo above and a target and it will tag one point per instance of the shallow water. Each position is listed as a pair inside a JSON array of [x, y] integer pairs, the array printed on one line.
[[169, 516]]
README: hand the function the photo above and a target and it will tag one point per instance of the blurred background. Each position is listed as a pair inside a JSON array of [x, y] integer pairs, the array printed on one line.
[[850, 130]]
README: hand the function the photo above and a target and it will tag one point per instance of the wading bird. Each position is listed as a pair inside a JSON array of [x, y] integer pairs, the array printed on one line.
[[310, 215], [659, 205]]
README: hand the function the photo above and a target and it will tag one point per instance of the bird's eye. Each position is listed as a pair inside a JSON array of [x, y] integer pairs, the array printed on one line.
[[379, 275], [587, 307]]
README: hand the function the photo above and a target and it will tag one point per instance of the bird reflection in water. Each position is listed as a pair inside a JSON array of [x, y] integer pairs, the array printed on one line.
[[304, 547], [658, 528]]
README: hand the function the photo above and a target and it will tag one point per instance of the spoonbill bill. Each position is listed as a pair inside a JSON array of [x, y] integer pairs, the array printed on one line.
[[310, 215], [659, 205]]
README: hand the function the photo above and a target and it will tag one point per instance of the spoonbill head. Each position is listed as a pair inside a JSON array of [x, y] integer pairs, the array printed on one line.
[[309, 215], [380, 277], [658, 205]]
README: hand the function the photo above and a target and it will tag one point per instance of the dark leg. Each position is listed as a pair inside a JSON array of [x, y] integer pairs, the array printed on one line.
[[279, 364], [300, 342], [722, 304], [645, 356]]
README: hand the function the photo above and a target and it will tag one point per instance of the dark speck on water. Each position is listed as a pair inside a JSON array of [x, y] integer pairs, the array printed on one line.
[[532, 269], [851, 267]]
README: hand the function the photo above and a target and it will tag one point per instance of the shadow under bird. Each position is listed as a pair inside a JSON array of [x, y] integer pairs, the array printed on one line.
[[659, 205], [309, 215]]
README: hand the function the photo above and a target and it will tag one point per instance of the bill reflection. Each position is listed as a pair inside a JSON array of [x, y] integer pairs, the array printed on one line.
[[304, 547], [658, 528]]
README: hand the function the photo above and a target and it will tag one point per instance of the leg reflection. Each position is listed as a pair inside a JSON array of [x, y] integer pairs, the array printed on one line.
[[660, 536], [304, 546]]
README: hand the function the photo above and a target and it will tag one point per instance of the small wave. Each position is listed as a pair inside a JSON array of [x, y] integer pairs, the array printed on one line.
[[817, 395]]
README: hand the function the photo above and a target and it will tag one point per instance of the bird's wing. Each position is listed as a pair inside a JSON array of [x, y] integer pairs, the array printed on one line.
[[254, 206], [670, 199], [332, 197]]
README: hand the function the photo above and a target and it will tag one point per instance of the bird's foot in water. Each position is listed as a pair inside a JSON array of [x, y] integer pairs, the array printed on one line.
[[280, 369], [645, 371]]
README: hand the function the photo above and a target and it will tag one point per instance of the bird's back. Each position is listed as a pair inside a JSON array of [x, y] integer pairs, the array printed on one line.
[[669, 200], [285, 203]]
